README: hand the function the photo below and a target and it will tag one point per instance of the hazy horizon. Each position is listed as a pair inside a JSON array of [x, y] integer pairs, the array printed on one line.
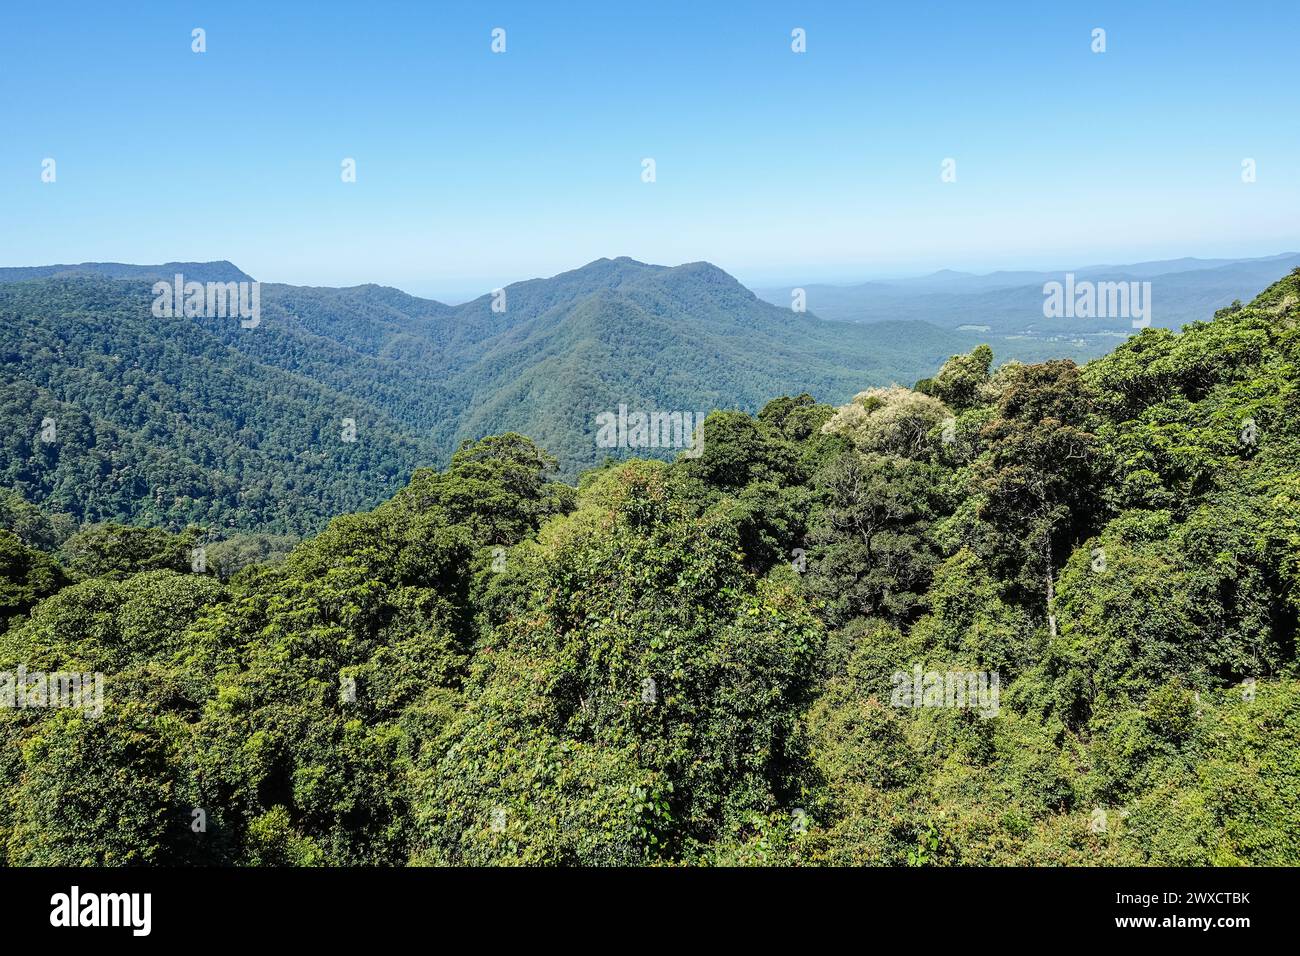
[[476, 168], [457, 292]]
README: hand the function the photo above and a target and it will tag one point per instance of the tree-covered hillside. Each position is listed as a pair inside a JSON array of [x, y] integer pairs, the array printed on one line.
[[110, 413], [711, 661]]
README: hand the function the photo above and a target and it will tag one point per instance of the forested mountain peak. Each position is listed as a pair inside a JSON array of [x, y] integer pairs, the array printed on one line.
[[252, 416], [750, 656], [222, 271]]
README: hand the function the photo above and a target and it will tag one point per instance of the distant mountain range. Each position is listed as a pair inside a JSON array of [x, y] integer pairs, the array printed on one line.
[[197, 271], [1011, 303], [174, 420]]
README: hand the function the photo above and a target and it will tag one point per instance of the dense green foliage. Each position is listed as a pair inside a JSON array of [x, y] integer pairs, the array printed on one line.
[[692, 662], [111, 414]]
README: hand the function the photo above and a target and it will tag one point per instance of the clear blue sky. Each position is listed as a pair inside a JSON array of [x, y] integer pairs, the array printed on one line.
[[476, 169]]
